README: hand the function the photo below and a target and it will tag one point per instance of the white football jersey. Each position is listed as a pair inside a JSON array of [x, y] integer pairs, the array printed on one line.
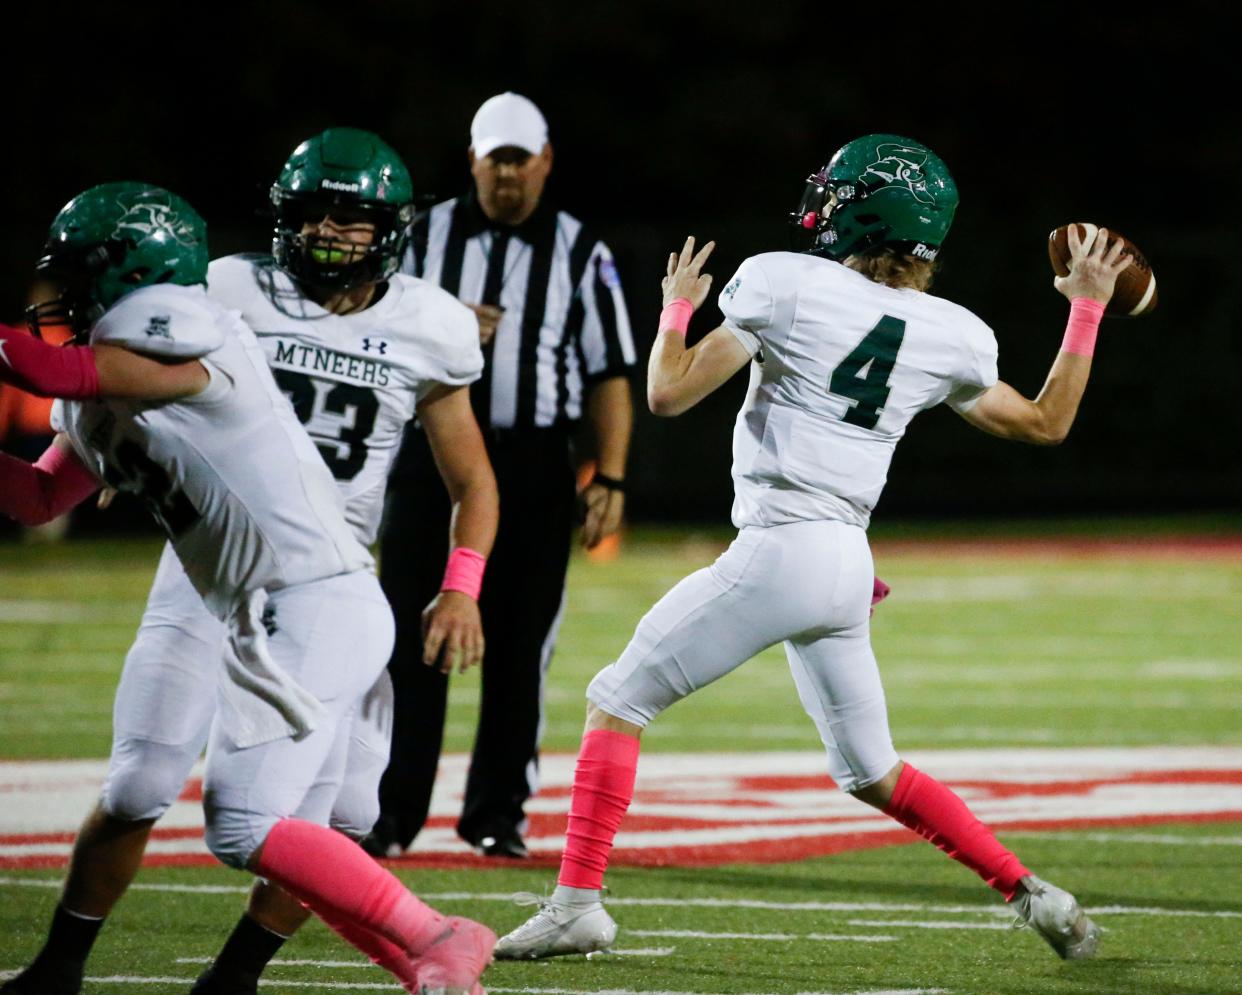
[[842, 366], [229, 473], [354, 379]]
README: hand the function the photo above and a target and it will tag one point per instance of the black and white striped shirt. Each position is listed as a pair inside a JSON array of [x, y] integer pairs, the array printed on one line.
[[564, 326]]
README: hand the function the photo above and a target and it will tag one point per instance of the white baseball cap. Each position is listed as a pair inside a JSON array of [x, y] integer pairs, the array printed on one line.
[[508, 119]]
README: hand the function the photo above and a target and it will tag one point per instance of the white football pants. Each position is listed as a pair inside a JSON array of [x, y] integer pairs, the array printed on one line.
[[807, 585], [167, 697]]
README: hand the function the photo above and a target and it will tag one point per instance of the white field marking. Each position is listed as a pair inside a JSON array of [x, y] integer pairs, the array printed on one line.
[[715, 903], [377, 986], [179, 889], [694, 934], [928, 924], [279, 962], [13, 610], [1146, 838]]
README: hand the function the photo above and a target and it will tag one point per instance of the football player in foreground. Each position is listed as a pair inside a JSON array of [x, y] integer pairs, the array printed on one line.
[[845, 347], [172, 400]]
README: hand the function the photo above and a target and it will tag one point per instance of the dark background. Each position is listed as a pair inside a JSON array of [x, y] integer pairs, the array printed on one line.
[[705, 118]]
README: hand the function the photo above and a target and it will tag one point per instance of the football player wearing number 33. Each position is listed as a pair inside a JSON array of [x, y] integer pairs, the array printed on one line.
[[845, 347], [358, 349]]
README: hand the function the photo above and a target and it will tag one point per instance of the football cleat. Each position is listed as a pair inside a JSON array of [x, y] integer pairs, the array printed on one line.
[[39, 979], [1056, 916], [558, 929], [209, 983], [452, 965]]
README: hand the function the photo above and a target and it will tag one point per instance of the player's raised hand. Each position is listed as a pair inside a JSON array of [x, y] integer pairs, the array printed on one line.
[[452, 632], [685, 277], [1094, 267]]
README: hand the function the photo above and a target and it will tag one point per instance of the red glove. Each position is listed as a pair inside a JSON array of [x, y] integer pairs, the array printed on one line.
[[46, 370]]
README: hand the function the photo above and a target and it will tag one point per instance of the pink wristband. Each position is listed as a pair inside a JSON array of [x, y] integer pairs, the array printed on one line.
[[676, 316], [464, 572], [1084, 323]]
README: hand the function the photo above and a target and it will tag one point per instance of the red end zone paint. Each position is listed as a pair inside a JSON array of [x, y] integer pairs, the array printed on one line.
[[706, 809]]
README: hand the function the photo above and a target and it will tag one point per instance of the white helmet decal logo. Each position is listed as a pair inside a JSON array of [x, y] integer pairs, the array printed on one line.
[[902, 164], [150, 218]]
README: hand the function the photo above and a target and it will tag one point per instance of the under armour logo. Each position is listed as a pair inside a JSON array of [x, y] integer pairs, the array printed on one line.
[[379, 345], [157, 327], [3, 355]]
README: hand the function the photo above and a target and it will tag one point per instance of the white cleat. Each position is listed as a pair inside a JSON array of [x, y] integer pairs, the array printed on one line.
[[558, 929], [1057, 917]]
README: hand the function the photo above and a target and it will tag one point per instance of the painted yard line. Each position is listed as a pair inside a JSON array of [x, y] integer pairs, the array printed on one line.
[[279, 962], [694, 934], [929, 924], [178, 889], [1146, 838], [120, 979], [366, 964], [142, 980], [715, 903], [746, 903]]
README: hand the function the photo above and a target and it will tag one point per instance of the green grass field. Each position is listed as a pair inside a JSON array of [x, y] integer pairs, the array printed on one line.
[[1029, 647]]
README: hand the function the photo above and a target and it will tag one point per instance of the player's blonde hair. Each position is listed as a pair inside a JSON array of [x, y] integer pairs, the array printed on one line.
[[886, 265]]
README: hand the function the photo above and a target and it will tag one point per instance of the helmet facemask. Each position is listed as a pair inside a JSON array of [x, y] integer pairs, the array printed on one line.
[[325, 262], [350, 176], [76, 273]]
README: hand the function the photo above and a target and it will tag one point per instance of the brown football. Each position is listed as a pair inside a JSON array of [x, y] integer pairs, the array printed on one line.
[[1135, 293]]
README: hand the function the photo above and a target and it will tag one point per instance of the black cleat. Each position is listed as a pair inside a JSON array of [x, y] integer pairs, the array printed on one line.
[[209, 984], [41, 979]]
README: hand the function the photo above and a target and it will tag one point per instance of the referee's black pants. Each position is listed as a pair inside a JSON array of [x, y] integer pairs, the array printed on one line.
[[523, 589]]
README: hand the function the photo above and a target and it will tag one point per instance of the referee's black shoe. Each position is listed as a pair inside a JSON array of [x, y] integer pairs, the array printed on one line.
[[504, 842], [383, 840]]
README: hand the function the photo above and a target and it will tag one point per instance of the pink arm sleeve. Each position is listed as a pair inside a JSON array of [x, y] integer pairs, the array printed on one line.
[[35, 493], [33, 365]]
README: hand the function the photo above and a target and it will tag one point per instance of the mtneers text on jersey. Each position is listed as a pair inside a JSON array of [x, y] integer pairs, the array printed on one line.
[[319, 360]]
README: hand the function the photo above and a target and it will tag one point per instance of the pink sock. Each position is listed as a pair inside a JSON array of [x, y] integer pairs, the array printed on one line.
[[938, 815], [603, 790], [383, 953], [338, 881]]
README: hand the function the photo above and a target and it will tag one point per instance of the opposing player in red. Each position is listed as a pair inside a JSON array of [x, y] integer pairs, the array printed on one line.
[[845, 347], [168, 396]]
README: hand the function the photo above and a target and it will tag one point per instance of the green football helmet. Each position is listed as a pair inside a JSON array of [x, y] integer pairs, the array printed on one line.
[[351, 176], [889, 190], [111, 240]]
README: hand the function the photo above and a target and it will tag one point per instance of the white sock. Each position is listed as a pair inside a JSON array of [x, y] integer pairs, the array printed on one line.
[[564, 895]]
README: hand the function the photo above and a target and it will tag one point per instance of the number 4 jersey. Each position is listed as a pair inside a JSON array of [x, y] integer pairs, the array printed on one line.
[[354, 379], [842, 364]]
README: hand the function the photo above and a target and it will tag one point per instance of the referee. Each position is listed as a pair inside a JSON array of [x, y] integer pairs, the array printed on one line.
[[557, 348]]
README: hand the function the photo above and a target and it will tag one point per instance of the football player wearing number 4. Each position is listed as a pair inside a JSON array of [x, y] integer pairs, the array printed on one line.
[[341, 203], [845, 347]]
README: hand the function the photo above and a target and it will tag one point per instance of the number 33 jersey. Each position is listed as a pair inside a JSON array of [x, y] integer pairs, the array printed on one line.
[[354, 380], [842, 364], [228, 473]]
